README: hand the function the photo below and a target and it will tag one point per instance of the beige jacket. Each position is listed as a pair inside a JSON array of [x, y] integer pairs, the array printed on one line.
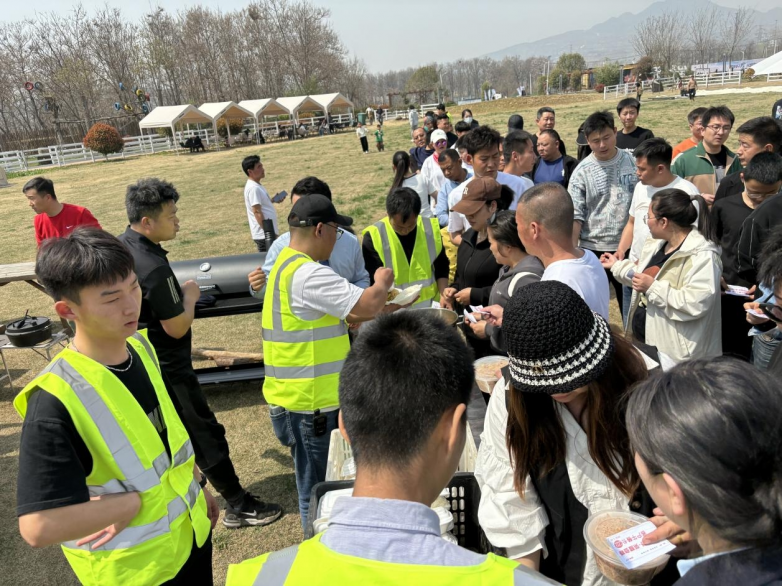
[[683, 303]]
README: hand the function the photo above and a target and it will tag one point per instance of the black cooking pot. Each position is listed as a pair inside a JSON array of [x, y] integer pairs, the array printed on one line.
[[29, 331]]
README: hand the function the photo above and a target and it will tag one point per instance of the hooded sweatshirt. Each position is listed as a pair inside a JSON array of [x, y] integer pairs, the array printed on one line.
[[683, 318]]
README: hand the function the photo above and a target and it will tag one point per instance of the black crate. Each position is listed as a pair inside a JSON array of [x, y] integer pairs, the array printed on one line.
[[464, 499]]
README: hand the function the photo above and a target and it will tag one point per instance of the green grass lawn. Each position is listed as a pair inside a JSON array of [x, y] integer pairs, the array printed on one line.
[[213, 223]]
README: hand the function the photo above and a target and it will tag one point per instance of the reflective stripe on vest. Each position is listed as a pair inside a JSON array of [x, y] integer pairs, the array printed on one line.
[[304, 371], [302, 357], [137, 478], [137, 534], [277, 567], [430, 238], [279, 334], [431, 247]]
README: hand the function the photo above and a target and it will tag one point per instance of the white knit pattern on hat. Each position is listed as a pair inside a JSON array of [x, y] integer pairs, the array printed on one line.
[[570, 365]]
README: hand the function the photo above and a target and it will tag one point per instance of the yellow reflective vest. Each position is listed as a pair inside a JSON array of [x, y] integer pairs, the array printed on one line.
[[420, 269], [129, 456], [313, 564], [302, 358]]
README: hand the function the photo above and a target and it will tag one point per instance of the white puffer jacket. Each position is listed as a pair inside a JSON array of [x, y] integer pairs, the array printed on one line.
[[683, 317]]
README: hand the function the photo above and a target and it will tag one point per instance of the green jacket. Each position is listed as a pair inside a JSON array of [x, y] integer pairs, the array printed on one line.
[[695, 166]]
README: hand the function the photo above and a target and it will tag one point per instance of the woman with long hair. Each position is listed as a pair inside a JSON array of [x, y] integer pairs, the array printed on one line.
[[555, 448], [405, 176], [518, 270], [708, 447], [675, 305]]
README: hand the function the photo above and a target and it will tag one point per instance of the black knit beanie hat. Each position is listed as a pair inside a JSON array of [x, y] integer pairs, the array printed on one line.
[[555, 343]]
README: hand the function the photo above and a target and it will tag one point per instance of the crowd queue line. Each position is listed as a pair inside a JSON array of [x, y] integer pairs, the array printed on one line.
[[119, 443]]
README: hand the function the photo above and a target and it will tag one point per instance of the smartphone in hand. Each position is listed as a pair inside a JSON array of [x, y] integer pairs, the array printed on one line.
[[280, 197]]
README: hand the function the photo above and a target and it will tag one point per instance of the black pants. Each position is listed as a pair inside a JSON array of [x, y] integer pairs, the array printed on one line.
[[617, 288], [208, 437], [735, 341], [364, 144], [261, 244], [197, 568]]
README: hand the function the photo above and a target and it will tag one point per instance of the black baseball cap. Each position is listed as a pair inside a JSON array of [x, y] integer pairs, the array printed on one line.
[[315, 209]]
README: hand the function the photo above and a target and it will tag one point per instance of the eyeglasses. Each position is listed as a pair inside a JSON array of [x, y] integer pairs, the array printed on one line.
[[717, 128], [647, 217], [339, 230], [771, 311], [439, 142], [756, 195]]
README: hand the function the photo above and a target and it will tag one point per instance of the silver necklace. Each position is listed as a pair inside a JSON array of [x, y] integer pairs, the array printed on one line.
[[127, 368]]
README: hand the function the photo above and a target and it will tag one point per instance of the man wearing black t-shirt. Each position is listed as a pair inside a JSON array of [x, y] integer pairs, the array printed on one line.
[[757, 135], [631, 134], [762, 179], [403, 217], [90, 275], [167, 311]]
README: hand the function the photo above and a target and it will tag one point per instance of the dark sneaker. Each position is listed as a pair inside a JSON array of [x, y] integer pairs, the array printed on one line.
[[252, 513]]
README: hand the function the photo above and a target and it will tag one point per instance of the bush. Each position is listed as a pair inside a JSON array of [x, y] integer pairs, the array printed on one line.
[[104, 139], [600, 87], [234, 124]]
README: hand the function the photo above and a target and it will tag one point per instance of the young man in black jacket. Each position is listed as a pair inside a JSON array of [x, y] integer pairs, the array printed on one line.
[[167, 311], [758, 135]]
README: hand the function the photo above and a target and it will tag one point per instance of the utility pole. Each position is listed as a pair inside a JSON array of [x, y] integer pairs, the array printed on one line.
[[548, 73]]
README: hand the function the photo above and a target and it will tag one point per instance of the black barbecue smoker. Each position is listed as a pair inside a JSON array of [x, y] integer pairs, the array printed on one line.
[[225, 291]]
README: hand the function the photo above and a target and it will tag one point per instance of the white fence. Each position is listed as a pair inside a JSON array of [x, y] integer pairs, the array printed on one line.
[[59, 155], [705, 81]]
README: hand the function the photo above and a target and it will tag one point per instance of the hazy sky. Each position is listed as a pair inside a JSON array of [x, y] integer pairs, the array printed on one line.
[[400, 33]]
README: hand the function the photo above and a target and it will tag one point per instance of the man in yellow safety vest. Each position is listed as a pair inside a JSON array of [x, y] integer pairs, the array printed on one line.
[[409, 244], [305, 337], [106, 467], [403, 395]]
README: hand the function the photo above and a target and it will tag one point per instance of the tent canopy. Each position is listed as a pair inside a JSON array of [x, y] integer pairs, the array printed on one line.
[[295, 104], [769, 65], [267, 107], [168, 116], [329, 101], [217, 110]]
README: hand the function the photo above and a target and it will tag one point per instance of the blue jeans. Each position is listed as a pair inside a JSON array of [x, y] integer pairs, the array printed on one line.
[[763, 347], [310, 452]]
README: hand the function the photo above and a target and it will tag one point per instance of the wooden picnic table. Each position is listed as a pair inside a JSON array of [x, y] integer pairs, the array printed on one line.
[[25, 271]]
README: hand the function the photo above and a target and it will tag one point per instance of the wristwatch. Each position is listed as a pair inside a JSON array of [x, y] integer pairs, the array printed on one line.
[[202, 482]]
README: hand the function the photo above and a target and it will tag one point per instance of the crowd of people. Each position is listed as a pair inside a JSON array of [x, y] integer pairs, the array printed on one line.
[[671, 413]]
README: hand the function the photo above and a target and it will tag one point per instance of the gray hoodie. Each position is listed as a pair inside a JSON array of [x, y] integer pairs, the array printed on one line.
[[529, 270]]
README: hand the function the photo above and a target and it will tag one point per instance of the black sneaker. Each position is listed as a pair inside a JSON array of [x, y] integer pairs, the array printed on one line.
[[253, 512]]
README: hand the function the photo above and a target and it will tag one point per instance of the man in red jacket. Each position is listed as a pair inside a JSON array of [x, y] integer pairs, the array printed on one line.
[[54, 219]]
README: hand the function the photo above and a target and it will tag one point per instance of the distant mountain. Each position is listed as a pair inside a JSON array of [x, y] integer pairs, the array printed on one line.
[[612, 38]]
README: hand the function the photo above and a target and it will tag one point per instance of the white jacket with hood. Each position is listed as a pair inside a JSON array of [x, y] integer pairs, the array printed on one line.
[[683, 317]]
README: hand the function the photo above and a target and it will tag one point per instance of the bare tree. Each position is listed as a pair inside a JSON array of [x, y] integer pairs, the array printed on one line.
[[704, 25], [659, 37], [735, 30]]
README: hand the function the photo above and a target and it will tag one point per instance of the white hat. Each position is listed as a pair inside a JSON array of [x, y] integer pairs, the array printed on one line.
[[438, 135]]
